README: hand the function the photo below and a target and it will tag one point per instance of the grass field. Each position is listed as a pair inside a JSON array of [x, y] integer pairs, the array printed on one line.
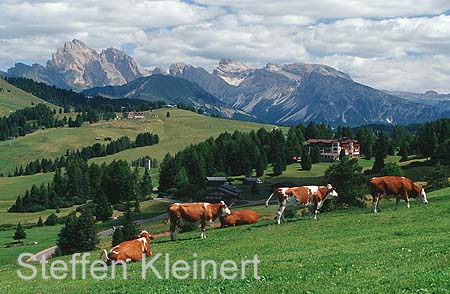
[[16, 99], [348, 251], [178, 131]]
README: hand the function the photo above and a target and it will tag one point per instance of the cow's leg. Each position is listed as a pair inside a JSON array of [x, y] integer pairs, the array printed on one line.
[[374, 202], [173, 229], [376, 207], [280, 211], [407, 199], [397, 200], [202, 230]]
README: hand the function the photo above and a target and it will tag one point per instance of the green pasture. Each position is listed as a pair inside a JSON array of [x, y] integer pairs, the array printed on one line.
[[175, 133], [17, 99], [346, 251]]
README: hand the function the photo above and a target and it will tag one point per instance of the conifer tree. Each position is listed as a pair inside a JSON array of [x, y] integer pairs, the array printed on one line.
[[20, 233], [146, 186], [316, 157], [306, 160], [40, 223], [103, 210]]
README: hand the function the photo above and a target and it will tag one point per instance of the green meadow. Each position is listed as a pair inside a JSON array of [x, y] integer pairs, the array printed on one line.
[[345, 251], [16, 99], [176, 132]]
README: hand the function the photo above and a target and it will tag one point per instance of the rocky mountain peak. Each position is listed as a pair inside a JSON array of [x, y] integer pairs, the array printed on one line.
[[231, 71], [177, 69], [77, 66]]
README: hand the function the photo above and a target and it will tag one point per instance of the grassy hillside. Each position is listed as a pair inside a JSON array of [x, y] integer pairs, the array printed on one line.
[[16, 99], [178, 131], [349, 251]]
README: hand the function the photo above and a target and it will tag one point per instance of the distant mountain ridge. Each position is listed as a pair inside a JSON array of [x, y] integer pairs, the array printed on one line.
[[276, 93], [171, 89], [293, 93], [76, 66]]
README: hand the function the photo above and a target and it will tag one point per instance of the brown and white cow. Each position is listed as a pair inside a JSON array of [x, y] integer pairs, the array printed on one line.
[[131, 250], [194, 212], [239, 217], [392, 185], [312, 197]]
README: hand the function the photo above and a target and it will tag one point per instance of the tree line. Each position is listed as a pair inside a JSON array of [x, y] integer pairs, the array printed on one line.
[[107, 184], [28, 120], [68, 99], [96, 150]]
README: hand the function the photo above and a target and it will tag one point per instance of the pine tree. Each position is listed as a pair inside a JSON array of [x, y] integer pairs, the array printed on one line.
[[403, 151], [103, 210], [277, 167], [51, 220], [78, 234], [40, 223], [167, 173], [306, 160], [20, 233], [347, 177], [146, 186], [130, 229], [380, 152], [392, 169], [117, 236], [316, 157]]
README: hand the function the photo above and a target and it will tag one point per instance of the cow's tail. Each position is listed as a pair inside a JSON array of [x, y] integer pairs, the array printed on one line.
[[270, 197]]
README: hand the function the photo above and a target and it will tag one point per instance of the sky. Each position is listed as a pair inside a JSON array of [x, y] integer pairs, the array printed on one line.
[[393, 45]]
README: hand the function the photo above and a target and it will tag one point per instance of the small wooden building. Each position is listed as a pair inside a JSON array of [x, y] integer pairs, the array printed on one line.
[[216, 181], [251, 180], [227, 193]]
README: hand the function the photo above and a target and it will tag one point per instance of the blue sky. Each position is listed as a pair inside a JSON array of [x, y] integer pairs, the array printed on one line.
[[395, 45]]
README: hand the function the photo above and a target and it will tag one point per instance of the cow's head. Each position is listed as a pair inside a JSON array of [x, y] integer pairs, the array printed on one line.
[[422, 196], [224, 208], [146, 235], [331, 191]]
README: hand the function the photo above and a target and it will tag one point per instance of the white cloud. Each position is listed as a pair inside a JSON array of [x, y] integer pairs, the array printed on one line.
[[411, 73], [387, 44]]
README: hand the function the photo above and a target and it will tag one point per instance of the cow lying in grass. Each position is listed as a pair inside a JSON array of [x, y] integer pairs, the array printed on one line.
[[239, 217], [131, 250]]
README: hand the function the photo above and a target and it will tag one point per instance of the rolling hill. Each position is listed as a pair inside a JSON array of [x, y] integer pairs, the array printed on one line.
[[12, 98]]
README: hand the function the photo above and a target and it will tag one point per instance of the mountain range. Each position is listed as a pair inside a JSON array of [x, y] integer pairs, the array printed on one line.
[[276, 93], [76, 66]]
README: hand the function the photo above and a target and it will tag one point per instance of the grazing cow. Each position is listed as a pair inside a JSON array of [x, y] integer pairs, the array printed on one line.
[[194, 212], [131, 250], [239, 217], [312, 197], [392, 185]]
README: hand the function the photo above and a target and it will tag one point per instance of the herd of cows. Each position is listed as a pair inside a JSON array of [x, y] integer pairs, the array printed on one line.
[[312, 197]]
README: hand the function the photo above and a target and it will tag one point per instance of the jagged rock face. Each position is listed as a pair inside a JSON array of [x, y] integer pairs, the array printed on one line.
[[231, 71], [79, 67], [294, 93]]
